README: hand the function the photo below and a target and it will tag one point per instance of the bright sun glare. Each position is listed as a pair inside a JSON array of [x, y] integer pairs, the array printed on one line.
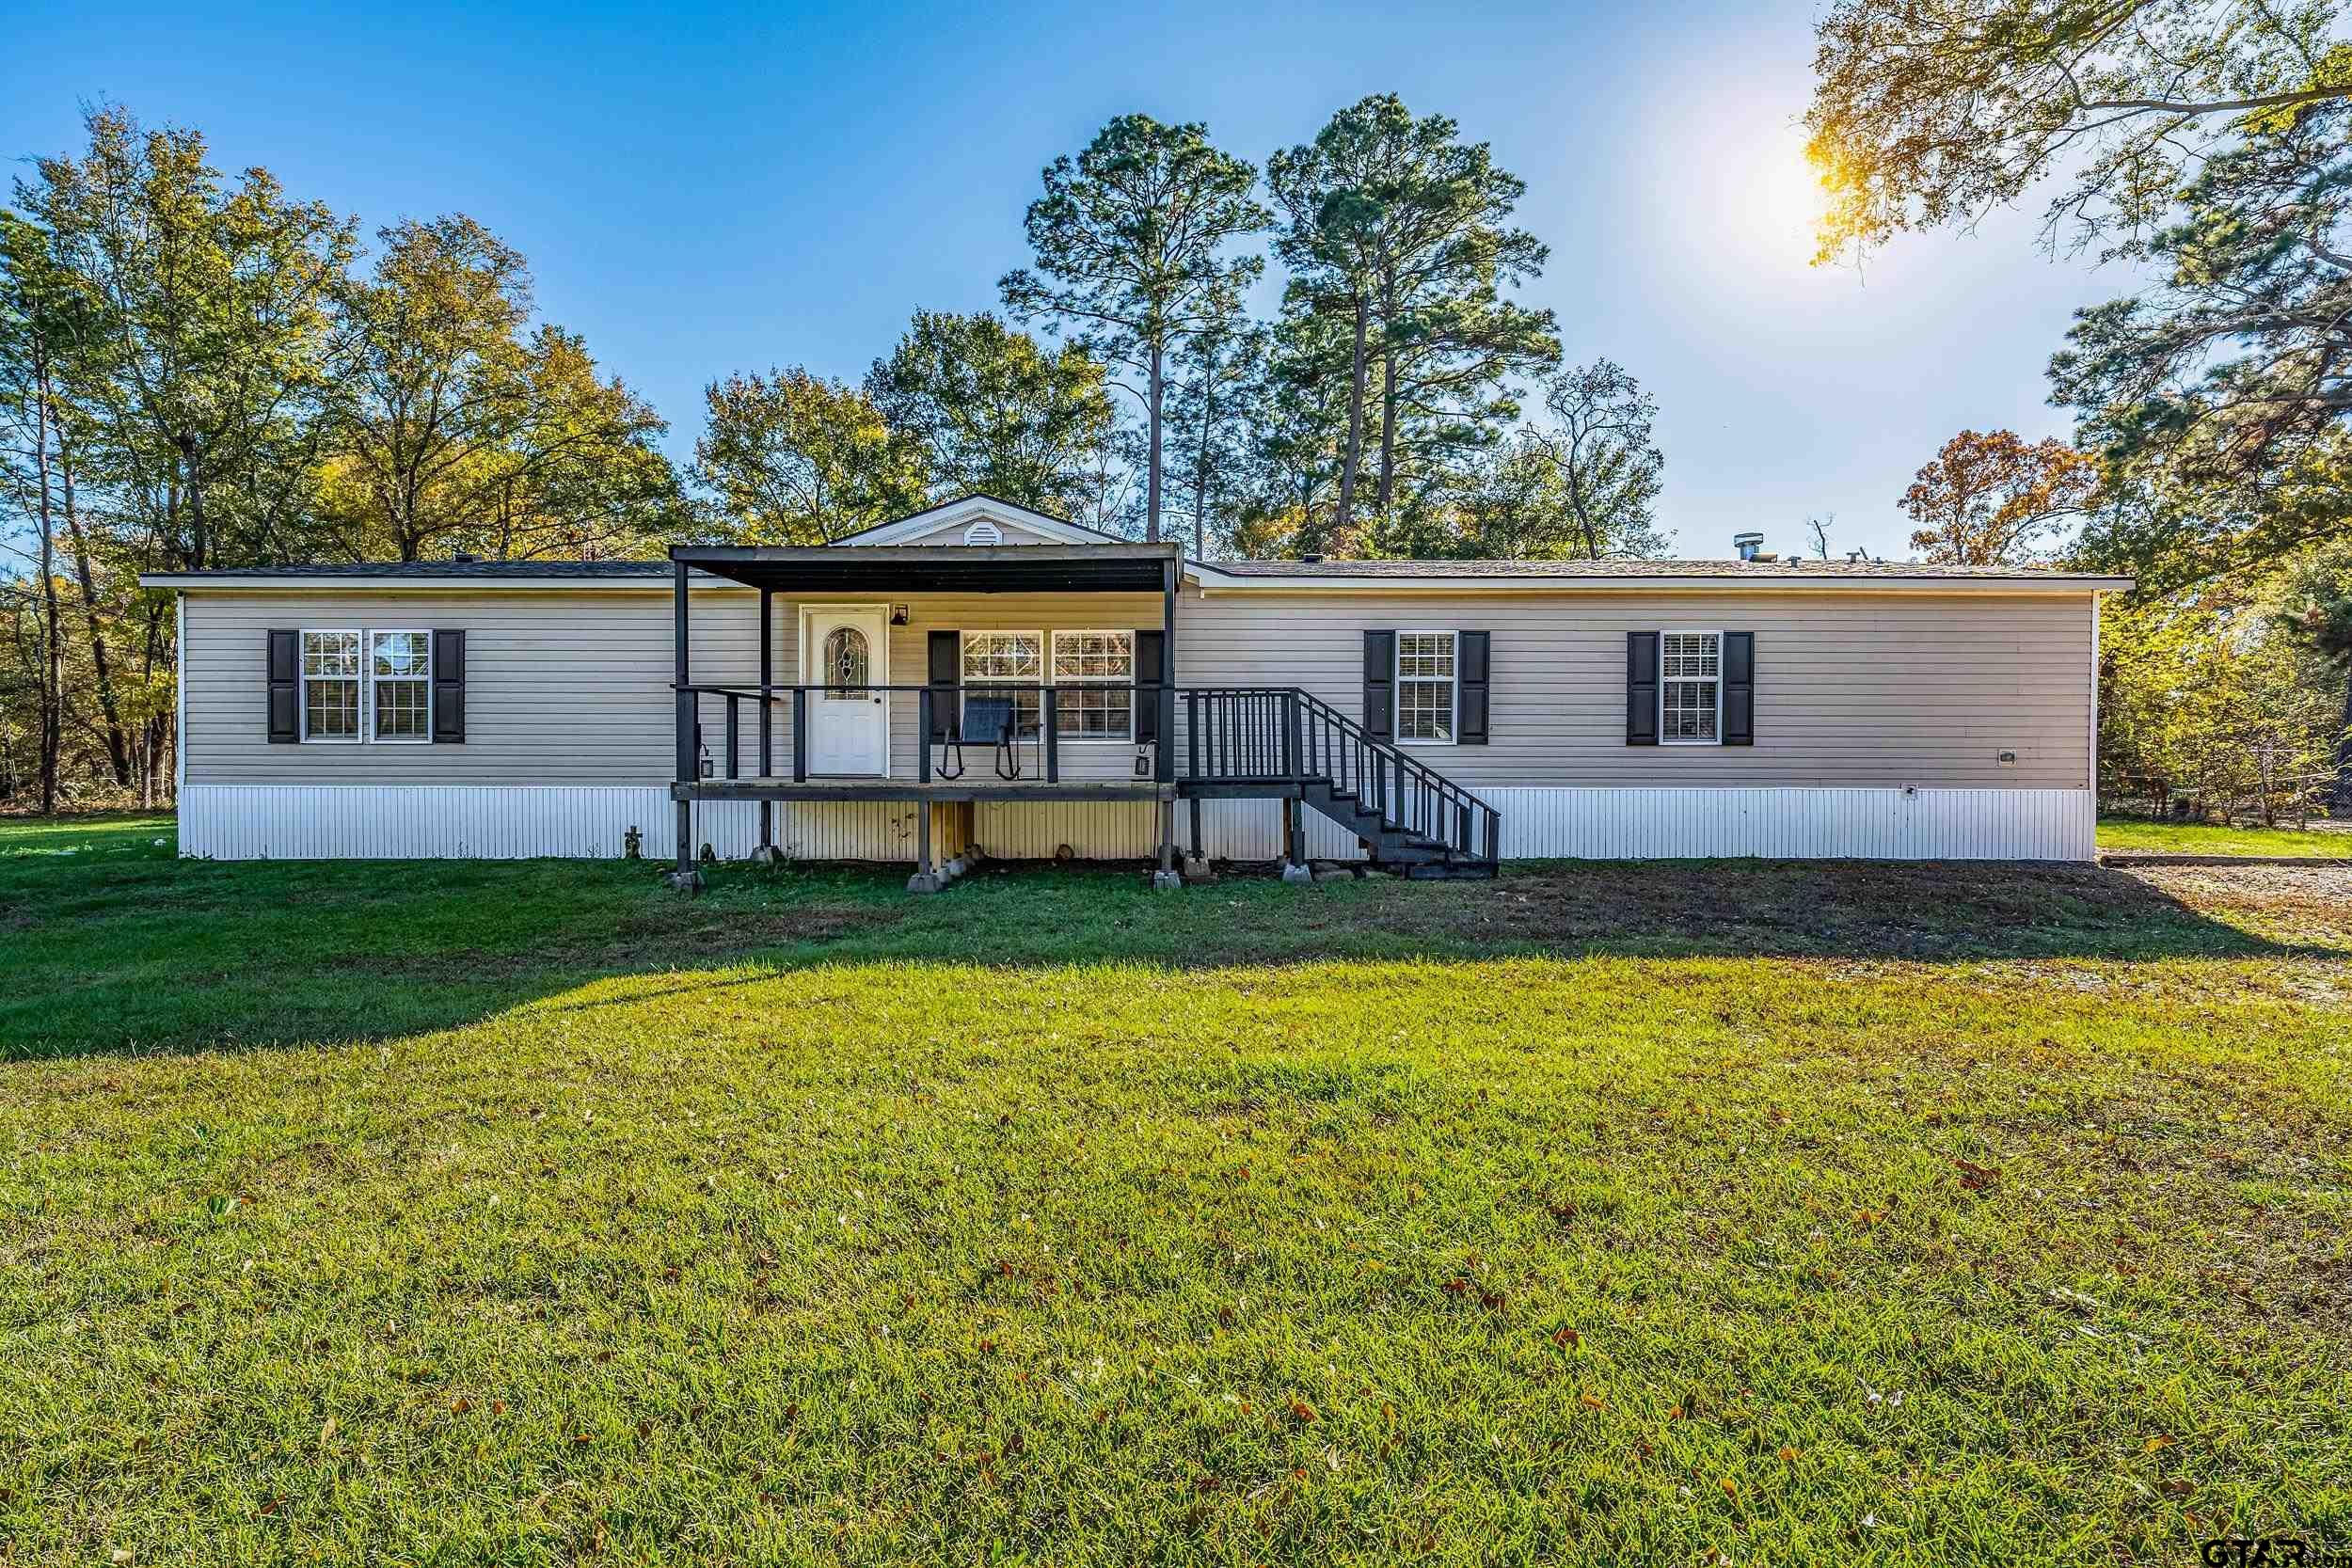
[[1783, 199]]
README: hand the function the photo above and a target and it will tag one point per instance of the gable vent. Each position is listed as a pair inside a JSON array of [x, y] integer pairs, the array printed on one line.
[[983, 533]]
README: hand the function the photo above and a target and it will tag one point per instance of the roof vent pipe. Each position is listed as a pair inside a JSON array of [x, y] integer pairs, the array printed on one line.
[[1747, 545], [1311, 559]]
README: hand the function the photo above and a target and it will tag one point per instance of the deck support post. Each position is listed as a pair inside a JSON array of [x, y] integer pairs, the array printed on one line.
[[927, 878], [687, 876], [1165, 880], [767, 735]]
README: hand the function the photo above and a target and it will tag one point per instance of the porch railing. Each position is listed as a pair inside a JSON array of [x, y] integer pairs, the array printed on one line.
[[1277, 736], [940, 721]]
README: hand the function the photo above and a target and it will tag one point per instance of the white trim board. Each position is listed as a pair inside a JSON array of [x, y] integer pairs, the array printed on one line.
[[515, 821]]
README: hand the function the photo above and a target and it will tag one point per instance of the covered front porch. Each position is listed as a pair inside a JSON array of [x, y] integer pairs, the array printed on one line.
[[945, 678], [970, 683]]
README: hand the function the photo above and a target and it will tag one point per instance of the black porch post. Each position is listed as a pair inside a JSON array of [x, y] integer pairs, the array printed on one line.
[[1164, 769], [1166, 760], [683, 674], [766, 679]]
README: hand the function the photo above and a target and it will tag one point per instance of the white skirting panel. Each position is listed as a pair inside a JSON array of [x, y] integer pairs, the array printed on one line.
[[1664, 824], [514, 821], [1797, 824]]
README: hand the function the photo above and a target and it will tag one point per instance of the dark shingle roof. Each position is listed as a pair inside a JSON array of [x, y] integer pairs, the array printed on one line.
[[1764, 570], [492, 569], [1304, 571]]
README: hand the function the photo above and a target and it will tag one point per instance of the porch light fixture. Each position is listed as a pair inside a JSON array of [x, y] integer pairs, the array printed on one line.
[[898, 615]]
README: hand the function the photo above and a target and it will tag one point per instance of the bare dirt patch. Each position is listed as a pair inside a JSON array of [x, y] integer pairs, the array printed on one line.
[[1876, 909], [683, 933]]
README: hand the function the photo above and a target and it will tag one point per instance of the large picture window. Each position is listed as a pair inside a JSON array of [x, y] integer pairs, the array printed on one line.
[[330, 686], [400, 685], [1007, 667], [1427, 698], [1094, 684], [1689, 686]]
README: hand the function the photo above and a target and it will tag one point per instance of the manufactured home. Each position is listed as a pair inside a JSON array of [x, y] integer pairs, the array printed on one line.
[[982, 679]]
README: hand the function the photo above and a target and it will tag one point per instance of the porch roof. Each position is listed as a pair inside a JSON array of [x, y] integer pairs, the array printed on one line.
[[939, 569]]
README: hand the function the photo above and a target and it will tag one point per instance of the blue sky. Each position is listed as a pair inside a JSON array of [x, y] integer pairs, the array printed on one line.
[[712, 187]]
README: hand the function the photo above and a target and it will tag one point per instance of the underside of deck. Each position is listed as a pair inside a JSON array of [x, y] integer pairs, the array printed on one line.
[[935, 789]]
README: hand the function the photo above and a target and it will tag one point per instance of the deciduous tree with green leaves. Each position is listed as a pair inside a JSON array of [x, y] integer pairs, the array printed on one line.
[[795, 459], [457, 424], [2210, 140], [215, 335], [1934, 112], [1132, 242], [2317, 620], [991, 411], [1610, 466]]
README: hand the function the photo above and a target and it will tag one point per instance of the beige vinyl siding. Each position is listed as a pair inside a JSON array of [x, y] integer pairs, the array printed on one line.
[[574, 687], [1881, 689], [561, 688]]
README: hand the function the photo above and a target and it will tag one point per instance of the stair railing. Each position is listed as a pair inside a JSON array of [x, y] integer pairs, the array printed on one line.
[[1282, 735]]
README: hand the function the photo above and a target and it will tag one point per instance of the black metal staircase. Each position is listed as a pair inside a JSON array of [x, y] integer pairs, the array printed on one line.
[[1280, 741]]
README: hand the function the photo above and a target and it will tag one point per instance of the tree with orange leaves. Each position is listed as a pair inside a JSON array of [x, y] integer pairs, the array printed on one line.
[[1996, 499]]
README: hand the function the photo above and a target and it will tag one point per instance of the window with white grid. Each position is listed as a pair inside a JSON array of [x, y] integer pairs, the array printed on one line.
[[330, 686], [1094, 684], [1002, 671], [400, 685], [1425, 693], [1690, 686]]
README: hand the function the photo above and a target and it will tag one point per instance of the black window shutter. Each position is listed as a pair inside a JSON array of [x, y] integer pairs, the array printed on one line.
[[1739, 688], [1473, 664], [1151, 674], [945, 674], [449, 688], [285, 687], [1640, 688], [1380, 685]]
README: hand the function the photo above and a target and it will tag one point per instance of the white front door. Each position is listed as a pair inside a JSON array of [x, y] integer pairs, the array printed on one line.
[[845, 648]]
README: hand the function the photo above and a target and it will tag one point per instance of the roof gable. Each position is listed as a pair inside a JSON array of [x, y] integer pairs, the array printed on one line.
[[946, 523]]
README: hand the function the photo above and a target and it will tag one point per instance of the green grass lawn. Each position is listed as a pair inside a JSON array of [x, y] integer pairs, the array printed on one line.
[[2202, 838], [1689, 1214]]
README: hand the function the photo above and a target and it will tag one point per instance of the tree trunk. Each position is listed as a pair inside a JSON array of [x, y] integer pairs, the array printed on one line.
[[2340, 800], [158, 729], [52, 658], [118, 738], [1583, 517], [1155, 393], [1388, 404], [1352, 461], [1201, 461], [200, 555]]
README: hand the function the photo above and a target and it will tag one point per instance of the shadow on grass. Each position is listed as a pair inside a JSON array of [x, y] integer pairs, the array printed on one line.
[[114, 945]]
